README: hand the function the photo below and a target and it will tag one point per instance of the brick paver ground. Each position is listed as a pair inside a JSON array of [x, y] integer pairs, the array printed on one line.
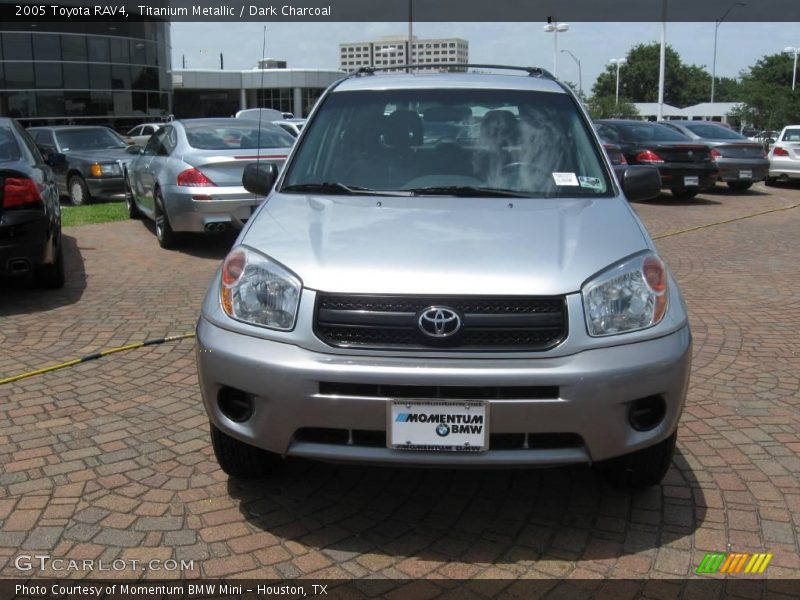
[[111, 459]]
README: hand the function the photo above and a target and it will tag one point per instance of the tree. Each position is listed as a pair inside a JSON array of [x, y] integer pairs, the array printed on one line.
[[606, 107], [766, 93], [684, 85]]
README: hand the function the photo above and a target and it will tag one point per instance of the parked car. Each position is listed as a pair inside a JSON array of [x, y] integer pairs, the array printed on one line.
[[617, 158], [291, 126], [188, 178], [740, 161], [685, 167], [489, 301], [784, 157], [93, 158], [30, 213], [140, 134], [264, 114]]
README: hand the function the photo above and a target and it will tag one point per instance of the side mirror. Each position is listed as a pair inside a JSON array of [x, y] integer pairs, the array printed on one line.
[[259, 178], [641, 182], [55, 160], [134, 149]]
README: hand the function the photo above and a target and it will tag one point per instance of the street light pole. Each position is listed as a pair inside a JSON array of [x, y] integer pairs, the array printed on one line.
[[662, 60], [793, 50], [717, 23], [618, 62], [580, 77], [554, 27]]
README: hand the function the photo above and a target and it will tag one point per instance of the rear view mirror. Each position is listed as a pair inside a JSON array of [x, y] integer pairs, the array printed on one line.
[[134, 149], [259, 178], [641, 182]]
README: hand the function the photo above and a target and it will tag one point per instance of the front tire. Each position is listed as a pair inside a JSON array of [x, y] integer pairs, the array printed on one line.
[[51, 277], [241, 460], [740, 186], [643, 468], [167, 238], [684, 193], [79, 193], [770, 181]]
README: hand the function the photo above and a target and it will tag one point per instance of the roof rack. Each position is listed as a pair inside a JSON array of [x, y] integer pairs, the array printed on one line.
[[531, 71]]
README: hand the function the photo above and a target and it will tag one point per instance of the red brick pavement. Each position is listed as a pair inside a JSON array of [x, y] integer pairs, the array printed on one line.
[[111, 459]]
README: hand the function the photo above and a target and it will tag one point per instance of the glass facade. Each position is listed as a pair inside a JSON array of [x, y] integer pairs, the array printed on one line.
[[102, 73]]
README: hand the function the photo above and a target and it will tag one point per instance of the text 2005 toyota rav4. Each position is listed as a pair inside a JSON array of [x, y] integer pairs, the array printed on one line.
[[446, 273]]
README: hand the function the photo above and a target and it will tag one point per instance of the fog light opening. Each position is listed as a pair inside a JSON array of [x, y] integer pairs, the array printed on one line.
[[645, 414], [235, 404]]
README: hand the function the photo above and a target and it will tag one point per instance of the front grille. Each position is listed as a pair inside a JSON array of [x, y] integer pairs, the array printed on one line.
[[489, 323], [497, 441]]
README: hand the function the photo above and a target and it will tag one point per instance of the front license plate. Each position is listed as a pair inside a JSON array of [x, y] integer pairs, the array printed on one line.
[[453, 426], [745, 174], [691, 180]]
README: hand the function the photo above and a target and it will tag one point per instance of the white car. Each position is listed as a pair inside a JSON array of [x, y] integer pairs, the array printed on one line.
[[291, 126], [784, 156], [141, 133]]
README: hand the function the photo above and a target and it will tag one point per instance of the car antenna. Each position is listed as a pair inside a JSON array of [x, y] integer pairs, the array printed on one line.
[[260, 110]]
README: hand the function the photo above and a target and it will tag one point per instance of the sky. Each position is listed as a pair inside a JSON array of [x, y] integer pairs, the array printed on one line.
[[316, 45]]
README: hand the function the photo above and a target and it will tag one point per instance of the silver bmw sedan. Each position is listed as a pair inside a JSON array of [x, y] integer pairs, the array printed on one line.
[[188, 178]]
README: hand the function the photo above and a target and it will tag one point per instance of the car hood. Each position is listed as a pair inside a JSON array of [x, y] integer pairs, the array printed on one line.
[[444, 245], [103, 155]]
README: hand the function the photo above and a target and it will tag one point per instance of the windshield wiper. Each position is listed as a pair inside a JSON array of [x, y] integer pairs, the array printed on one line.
[[339, 188], [469, 191]]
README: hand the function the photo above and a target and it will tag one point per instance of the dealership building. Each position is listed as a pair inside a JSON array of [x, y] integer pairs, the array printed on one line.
[[394, 50], [220, 93], [115, 74]]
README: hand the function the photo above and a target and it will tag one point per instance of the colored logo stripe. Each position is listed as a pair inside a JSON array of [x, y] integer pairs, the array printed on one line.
[[733, 563]]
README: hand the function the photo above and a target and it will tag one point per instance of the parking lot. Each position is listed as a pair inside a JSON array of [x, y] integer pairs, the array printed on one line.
[[111, 459]]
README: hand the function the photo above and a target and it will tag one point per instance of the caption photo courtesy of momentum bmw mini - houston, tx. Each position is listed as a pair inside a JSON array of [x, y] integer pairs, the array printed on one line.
[[398, 300]]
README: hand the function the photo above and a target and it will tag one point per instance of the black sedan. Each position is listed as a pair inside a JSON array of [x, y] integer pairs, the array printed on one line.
[[685, 166], [30, 214], [94, 160], [740, 161]]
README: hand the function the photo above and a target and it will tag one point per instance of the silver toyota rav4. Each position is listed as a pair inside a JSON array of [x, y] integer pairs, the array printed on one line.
[[446, 273]]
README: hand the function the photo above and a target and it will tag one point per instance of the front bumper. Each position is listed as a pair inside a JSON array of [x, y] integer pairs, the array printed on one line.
[[194, 208], [106, 187], [595, 389]]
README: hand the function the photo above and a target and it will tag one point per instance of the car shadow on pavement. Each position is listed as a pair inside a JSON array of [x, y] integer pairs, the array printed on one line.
[[501, 517], [670, 200], [18, 295]]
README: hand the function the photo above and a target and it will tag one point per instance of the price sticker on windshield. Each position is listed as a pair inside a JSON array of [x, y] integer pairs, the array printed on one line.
[[565, 179]]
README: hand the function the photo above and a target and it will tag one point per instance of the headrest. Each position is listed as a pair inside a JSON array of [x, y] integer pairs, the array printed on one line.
[[499, 127], [403, 128]]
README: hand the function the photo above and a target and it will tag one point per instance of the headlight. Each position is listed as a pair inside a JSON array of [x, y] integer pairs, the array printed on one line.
[[628, 296], [108, 170], [257, 290]]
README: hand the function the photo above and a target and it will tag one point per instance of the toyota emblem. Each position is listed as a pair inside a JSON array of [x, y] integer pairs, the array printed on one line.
[[439, 322]]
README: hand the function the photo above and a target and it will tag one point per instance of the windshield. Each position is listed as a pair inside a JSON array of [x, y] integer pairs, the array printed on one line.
[[791, 135], [650, 132], [450, 141], [713, 132], [96, 138], [225, 136]]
